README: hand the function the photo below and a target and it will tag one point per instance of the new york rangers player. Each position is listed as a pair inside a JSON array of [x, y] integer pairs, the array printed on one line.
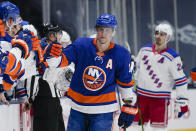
[[159, 69]]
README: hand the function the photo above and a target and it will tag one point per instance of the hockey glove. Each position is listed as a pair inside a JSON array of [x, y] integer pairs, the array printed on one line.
[[3, 61], [24, 42], [181, 106], [127, 115], [68, 74], [54, 49], [39, 51], [36, 45]]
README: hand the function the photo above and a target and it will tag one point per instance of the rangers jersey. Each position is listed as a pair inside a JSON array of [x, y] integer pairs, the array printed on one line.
[[158, 72], [96, 75]]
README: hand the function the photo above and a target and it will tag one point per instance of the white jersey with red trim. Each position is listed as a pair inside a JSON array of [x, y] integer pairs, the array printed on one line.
[[158, 72], [96, 76]]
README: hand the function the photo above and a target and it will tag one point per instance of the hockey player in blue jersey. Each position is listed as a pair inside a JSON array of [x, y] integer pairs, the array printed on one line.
[[17, 49], [99, 66]]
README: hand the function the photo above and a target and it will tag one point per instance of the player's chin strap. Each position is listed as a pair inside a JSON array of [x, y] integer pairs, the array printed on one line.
[[138, 102]]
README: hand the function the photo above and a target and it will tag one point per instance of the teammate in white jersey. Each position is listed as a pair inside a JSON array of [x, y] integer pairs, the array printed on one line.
[[159, 69]]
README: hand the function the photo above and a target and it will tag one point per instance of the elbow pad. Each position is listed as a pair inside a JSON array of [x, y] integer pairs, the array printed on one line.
[[22, 45], [24, 42]]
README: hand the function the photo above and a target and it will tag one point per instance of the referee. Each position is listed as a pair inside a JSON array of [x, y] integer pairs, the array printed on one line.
[[46, 105]]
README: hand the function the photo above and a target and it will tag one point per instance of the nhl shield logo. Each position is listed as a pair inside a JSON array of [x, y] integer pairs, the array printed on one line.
[[94, 78]]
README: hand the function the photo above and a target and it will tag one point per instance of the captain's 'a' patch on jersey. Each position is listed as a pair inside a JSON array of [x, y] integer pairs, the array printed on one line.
[[94, 78]]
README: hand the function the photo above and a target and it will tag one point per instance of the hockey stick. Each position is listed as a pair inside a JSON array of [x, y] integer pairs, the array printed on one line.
[[139, 110], [135, 87], [119, 101]]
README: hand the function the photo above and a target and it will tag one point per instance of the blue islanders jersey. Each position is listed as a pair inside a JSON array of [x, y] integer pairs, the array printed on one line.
[[96, 75]]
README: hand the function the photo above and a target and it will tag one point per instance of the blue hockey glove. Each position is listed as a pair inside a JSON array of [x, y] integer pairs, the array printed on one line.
[[54, 49], [127, 115], [181, 106]]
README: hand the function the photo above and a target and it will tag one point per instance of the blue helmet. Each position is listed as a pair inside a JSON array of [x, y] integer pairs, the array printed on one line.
[[9, 11], [106, 20]]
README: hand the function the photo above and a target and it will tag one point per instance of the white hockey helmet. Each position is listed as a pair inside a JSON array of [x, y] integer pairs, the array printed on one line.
[[166, 28], [65, 38]]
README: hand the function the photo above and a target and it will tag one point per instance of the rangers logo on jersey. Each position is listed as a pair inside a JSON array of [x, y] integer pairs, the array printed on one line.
[[94, 78]]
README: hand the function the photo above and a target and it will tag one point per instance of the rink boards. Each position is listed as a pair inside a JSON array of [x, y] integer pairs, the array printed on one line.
[[13, 119]]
